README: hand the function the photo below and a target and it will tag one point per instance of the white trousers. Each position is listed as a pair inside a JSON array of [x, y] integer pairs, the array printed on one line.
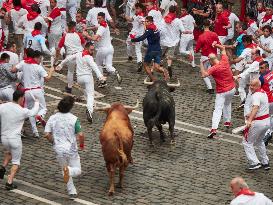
[[271, 116], [6, 93], [72, 9], [54, 39], [242, 85], [29, 103], [130, 49], [14, 146], [222, 104], [247, 107], [64, 23], [255, 138], [71, 65], [105, 56], [74, 167], [186, 44], [87, 83], [206, 66]]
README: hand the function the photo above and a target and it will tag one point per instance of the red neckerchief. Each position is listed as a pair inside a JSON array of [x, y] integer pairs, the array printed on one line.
[[32, 15], [54, 14], [85, 53], [259, 59], [8, 5], [261, 10], [2, 61], [259, 91], [245, 191], [103, 24], [36, 32], [226, 13], [250, 22], [169, 17], [242, 32], [29, 60], [17, 8], [153, 8], [152, 26], [252, 45], [266, 18], [140, 14], [183, 15]]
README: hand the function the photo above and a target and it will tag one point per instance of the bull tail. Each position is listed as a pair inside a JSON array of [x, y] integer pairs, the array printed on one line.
[[124, 160]]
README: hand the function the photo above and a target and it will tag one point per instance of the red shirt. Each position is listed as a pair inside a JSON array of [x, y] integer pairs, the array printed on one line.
[[204, 43], [220, 21], [222, 75], [267, 86]]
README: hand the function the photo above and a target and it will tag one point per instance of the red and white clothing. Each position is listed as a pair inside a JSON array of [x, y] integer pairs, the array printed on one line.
[[256, 133], [157, 16], [260, 16], [266, 20], [28, 21], [252, 28], [186, 40], [137, 30], [246, 58], [204, 43], [268, 43], [72, 42], [85, 65], [221, 20], [225, 89], [105, 50], [91, 18], [251, 199], [33, 76], [233, 18]]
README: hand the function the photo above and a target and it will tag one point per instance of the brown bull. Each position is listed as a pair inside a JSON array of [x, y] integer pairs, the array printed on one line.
[[116, 139]]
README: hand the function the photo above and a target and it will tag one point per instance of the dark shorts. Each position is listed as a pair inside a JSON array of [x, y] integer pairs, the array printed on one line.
[[153, 55]]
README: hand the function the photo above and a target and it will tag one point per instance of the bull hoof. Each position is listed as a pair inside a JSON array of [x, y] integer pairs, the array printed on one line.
[[173, 142]]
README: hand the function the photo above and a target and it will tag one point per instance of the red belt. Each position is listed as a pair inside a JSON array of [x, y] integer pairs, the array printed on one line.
[[262, 117], [62, 9], [27, 89]]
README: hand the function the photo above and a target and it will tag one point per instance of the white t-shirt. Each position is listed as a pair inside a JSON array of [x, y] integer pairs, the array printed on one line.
[[29, 25], [260, 99], [85, 64], [12, 118], [253, 70], [257, 199], [165, 5], [158, 19], [15, 17], [170, 33], [36, 43], [62, 127], [138, 25], [252, 29], [91, 18], [44, 6], [14, 58], [33, 74], [246, 55], [260, 16], [267, 42], [232, 19], [105, 41], [72, 43], [188, 23]]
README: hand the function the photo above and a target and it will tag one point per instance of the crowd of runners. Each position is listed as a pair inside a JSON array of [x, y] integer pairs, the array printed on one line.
[[236, 54]]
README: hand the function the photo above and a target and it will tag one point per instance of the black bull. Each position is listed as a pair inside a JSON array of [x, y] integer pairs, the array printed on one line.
[[159, 108]]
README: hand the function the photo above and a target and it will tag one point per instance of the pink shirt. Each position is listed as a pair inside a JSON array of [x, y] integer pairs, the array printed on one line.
[[222, 75]]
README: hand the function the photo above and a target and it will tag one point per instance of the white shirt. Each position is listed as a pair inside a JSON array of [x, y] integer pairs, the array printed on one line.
[[85, 64], [158, 20], [253, 70], [268, 43], [257, 199], [260, 99], [72, 43], [44, 6], [105, 41], [91, 18], [29, 25], [138, 25], [14, 58], [36, 43], [170, 33], [268, 22], [61, 3], [166, 4], [232, 19], [188, 23], [246, 55], [62, 127], [260, 16], [252, 29], [33, 74], [15, 18], [56, 25], [12, 118]]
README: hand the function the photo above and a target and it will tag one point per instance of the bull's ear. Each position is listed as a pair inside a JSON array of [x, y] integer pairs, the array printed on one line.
[[129, 110]]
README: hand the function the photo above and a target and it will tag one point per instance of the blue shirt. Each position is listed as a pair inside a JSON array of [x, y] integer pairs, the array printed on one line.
[[261, 78], [240, 46], [153, 38]]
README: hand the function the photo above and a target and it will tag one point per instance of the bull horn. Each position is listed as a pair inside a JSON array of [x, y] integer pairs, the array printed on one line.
[[146, 81], [133, 108], [174, 85], [101, 108]]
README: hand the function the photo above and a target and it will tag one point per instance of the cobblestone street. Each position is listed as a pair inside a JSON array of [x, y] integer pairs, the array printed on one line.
[[195, 171]]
